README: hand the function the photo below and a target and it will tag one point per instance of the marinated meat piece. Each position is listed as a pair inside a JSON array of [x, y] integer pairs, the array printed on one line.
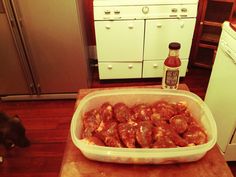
[[165, 130], [155, 118], [127, 134], [87, 133], [91, 121], [180, 107], [163, 142], [144, 134], [179, 123], [195, 135], [178, 140], [142, 112], [94, 140], [122, 112], [112, 142], [160, 125], [193, 122], [109, 135], [106, 112], [164, 109]]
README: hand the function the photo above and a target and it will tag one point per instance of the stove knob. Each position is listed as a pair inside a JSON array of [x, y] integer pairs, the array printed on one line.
[[184, 10], [107, 12], [174, 10], [116, 12], [145, 9]]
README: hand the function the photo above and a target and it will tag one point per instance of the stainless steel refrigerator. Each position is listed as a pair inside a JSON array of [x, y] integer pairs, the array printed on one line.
[[43, 50]]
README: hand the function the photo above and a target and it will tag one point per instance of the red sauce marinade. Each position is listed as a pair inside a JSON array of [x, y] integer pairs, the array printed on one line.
[[158, 125]]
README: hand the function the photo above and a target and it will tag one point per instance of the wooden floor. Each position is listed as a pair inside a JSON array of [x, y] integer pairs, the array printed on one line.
[[47, 124]]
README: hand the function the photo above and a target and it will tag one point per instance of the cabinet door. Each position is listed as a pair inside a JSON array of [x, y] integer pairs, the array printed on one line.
[[119, 40], [54, 37], [12, 75], [159, 33]]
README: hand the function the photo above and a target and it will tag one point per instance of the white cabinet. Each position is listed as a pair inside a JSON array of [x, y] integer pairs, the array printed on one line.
[[159, 33], [114, 47]]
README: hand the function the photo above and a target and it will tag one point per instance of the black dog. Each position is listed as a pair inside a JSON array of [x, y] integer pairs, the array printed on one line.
[[12, 132]]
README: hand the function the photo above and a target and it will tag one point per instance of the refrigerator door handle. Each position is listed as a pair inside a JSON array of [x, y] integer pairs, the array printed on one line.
[[19, 45], [228, 51], [19, 21]]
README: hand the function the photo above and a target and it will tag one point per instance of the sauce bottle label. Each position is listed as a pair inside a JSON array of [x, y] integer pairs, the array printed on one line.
[[172, 77]]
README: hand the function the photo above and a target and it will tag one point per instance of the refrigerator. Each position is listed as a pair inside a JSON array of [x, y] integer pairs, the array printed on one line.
[[43, 49], [221, 92]]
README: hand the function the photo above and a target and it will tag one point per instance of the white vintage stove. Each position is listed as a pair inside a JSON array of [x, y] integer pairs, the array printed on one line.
[[132, 36]]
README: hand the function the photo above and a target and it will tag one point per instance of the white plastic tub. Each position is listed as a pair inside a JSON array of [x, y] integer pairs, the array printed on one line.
[[143, 155]]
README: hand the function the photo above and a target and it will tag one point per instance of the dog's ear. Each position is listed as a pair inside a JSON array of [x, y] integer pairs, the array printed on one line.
[[15, 119]]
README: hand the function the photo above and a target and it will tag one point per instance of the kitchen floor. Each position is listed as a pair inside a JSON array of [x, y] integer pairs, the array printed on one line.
[[48, 122]]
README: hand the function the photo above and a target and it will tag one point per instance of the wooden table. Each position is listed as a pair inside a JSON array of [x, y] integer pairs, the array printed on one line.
[[74, 164]]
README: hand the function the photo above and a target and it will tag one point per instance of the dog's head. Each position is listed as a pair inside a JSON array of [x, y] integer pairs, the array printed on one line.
[[13, 133]]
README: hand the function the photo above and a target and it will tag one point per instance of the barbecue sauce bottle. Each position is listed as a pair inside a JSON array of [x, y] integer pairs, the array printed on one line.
[[170, 79]]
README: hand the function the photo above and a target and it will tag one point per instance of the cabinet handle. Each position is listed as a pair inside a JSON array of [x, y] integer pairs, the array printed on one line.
[[108, 27], [109, 67], [155, 65], [184, 10], [159, 25], [130, 66], [181, 24], [131, 26]]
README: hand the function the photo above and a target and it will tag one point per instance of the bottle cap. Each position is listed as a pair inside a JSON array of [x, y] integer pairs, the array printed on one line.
[[174, 45]]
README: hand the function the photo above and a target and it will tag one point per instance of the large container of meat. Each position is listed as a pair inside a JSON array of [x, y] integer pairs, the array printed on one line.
[[144, 146]]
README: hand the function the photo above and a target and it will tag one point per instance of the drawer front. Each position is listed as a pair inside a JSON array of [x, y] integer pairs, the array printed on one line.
[[119, 40], [119, 70], [155, 68]]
